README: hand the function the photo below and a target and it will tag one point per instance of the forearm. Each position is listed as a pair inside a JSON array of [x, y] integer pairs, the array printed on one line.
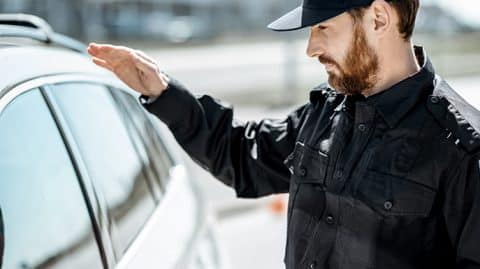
[[208, 133]]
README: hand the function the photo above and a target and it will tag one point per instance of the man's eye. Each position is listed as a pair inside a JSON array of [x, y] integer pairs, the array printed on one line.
[[321, 27]]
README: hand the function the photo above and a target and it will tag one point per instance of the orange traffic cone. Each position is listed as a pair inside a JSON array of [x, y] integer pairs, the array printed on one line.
[[278, 205]]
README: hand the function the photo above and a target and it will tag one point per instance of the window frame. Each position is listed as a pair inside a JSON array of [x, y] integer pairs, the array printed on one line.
[[97, 209], [110, 86], [153, 188], [143, 155], [166, 161], [17, 91]]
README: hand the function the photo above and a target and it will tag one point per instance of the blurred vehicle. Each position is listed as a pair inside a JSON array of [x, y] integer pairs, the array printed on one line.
[[177, 21], [167, 21], [158, 26], [88, 179]]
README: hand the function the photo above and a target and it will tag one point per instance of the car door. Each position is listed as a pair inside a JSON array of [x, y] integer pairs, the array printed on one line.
[[45, 220], [111, 158], [128, 165]]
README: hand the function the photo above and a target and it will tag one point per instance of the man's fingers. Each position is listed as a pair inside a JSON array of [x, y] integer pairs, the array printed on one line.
[[117, 54], [101, 47], [102, 63], [108, 52], [103, 55], [94, 49]]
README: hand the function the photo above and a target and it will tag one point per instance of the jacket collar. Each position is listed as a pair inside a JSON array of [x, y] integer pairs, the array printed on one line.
[[394, 103]]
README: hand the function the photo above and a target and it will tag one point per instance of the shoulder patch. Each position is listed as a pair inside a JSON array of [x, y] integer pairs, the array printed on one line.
[[322, 92], [455, 114]]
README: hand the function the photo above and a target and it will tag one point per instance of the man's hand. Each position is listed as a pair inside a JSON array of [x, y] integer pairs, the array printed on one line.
[[133, 67]]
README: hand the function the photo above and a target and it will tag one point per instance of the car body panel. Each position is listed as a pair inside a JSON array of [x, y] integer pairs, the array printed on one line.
[[172, 234]]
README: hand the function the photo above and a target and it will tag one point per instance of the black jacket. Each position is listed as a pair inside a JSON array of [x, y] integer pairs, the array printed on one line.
[[389, 181]]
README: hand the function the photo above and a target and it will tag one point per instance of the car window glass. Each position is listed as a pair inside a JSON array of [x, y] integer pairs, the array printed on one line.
[[158, 158], [44, 219], [110, 156]]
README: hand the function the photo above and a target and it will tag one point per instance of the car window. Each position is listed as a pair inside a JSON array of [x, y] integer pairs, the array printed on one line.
[[110, 157], [159, 160], [44, 221]]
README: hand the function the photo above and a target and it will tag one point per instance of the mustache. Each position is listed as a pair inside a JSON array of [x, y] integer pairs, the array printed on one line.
[[326, 60]]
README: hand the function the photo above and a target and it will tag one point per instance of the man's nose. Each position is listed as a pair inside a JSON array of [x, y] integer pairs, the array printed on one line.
[[313, 49]]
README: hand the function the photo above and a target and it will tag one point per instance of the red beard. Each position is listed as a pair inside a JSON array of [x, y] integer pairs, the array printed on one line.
[[359, 74]]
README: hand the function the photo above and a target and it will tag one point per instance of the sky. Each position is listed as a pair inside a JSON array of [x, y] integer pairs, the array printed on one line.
[[469, 10]]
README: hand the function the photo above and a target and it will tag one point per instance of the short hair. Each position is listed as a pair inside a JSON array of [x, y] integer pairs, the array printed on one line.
[[407, 13]]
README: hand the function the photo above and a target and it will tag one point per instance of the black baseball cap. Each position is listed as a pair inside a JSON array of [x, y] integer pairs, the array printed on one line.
[[312, 12]]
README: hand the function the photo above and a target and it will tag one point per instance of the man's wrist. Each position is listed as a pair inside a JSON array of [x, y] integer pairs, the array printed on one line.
[[149, 99]]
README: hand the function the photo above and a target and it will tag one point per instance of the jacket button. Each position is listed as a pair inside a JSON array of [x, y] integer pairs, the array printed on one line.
[[330, 220], [338, 174], [303, 171], [362, 127], [312, 265], [387, 205], [435, 99]]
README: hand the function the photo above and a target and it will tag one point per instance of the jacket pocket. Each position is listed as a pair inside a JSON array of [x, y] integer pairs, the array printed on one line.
[[308, 165], [395, 196]]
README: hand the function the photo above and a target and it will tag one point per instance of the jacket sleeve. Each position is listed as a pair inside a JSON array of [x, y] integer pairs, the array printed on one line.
[[462, 212], [246, 156]]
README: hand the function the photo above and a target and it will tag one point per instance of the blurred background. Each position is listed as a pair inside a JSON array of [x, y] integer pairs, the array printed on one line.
[[223, 48]]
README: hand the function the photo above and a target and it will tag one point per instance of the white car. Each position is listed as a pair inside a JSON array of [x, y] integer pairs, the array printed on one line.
[[88, 179]]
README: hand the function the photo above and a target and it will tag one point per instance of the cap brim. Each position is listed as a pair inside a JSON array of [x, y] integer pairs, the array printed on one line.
[[302, 17]]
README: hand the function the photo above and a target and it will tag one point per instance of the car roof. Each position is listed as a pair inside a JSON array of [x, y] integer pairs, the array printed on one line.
[[35, 28], [22, 63], [30, 49]]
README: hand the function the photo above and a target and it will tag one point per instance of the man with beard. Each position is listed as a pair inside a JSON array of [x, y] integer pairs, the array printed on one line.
[[382, 163]]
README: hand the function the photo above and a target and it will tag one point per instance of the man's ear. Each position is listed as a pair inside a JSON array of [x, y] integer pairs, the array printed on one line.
[[382, 17]]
